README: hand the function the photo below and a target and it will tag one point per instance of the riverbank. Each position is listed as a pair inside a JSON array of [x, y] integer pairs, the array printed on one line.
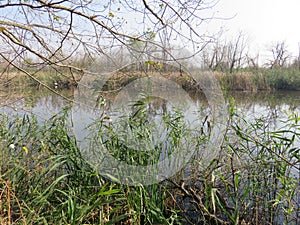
[[251, 80], [260, 79], [50, 80]]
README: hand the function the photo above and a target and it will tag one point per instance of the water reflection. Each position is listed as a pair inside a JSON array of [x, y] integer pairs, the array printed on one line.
[[42, 102], [274, 107], [45, 103], [270, 105]]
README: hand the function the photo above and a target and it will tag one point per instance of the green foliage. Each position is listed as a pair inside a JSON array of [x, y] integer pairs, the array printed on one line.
[[53, 184], [261, 79], [45, 180], [288, 79], [262, 167]]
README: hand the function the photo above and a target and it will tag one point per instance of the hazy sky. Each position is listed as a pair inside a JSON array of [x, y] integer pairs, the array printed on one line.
[[264, 21]]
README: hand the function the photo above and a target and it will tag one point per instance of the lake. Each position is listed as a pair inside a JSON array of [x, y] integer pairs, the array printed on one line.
[[272, 107], [44, 104]]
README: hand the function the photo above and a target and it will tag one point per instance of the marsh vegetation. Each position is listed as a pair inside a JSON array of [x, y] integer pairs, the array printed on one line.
[[48, 48], [45, 179]]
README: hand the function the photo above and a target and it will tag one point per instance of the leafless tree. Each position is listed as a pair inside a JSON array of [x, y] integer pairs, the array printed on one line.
[[280, 55], [214, 57], [299, 56], [226, 56], [236, 52], [55, 34], [252, 61], [296, 61]]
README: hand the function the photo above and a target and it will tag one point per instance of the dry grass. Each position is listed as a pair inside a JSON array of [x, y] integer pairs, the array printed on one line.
[[18, 80], [242, 81]]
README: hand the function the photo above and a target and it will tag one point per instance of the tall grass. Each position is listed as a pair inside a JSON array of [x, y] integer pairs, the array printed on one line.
[[287, 79], [242, 80], [260, 79], [263, 165], [256, 183], [44, 179], [16, 80]]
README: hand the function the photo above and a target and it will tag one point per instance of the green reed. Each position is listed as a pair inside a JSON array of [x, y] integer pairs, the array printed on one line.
[[258, 181], [44, 179]]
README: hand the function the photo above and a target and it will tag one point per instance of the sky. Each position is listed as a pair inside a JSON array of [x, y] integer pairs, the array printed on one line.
[[265, 22]]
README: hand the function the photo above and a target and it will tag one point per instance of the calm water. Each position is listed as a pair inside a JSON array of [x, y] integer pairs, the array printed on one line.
[[45, 104], [273, 107]]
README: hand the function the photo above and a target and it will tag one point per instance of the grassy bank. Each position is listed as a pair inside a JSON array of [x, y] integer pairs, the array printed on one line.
[[44, 179], [16, 80], [260, 79]]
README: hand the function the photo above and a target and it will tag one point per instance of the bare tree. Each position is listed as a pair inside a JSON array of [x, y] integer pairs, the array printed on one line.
[[280, 55], [226, 56], [236, 52], [296, 61], [215, 56], [164, 37], [54, 33], [252, 61]]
